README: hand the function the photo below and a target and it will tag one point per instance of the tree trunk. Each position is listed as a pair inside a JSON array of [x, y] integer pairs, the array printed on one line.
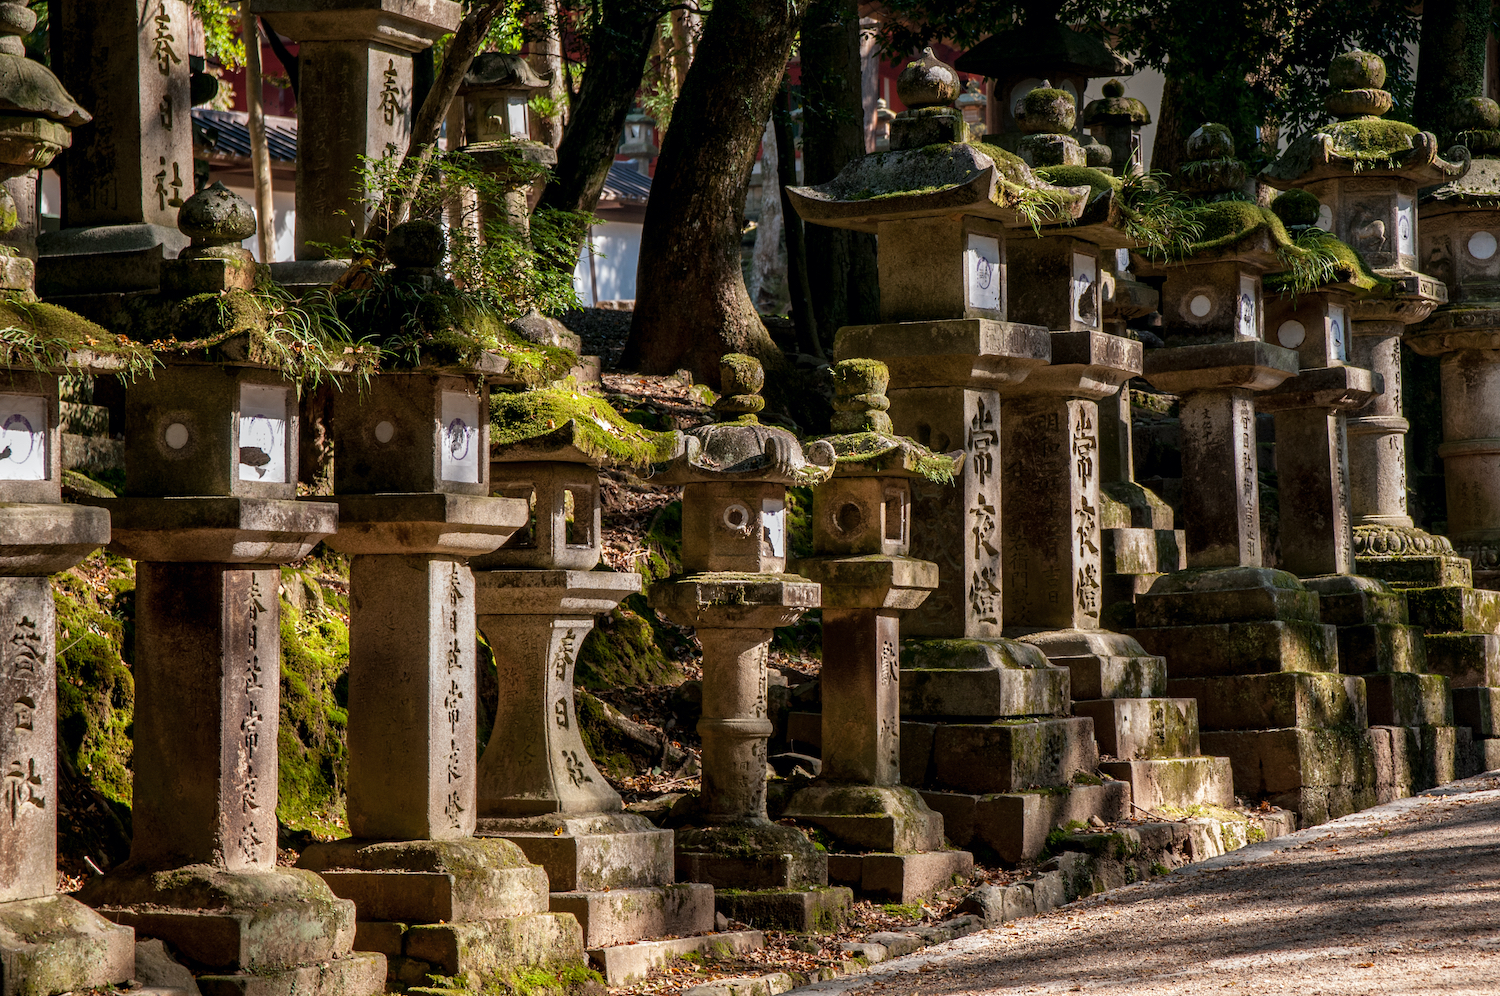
[[1171, 138], [798, 293], [618, 48], [547, 59], [691, 305], [684, 40], [840, 264], [1450, 66], [768, 269]]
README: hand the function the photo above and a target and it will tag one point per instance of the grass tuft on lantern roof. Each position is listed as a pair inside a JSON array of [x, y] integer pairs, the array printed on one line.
[[598, 430], [1326, 260], [42, 336]]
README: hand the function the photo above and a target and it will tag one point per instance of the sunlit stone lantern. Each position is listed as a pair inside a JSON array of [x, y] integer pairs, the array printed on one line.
[[1115, 120], [497, 93]]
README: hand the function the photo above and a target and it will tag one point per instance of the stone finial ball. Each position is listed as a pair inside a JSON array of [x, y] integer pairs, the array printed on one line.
[[1047, 111], [855, 377], [740, 374], [1210, 141], [927, 82], [1114, 88], [1096, 153], [1357, 70], [1297, 208], [416, 244], [216, 216], [1477, 114]]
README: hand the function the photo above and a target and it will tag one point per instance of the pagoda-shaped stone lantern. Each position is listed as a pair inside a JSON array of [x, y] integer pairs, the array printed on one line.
[[411, 481], [537, 598], [639, 140], [861, 534], [1045, 116], [49, 943], [496, 92], [735, 590], [1365, 172], [1115, 121], [210, 513]]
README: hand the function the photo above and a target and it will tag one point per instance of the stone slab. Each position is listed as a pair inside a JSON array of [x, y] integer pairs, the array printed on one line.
[[359, 974], [1319, 774], [1103, 677], [1139, 728], [1454, 610], [217, 530], [1216, 649], [379, 936], [900, 878], [1408, 572], [1349, 600], [983, 694], [1412, 759], [1015, 825], [55, 944], [491, 947], [625, 963], [1466, 659], [1274, 701], [616, 855], [868, 817], [803, 911], [772, 984], [1256, 602], [1011, 756], [433, 523], [621, 916], [43, 539], [1179, 782], [1400, 699], [755, 855], [1371, 647], [1478, 708]]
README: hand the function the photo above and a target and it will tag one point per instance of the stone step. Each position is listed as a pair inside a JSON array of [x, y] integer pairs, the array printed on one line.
[[624, 963], [1139, 728], [1100, 677], [900, 878], [773, 984], [1344, 600], [1411, 759], [1319, 774], [1410, 571], [608, 851], [1216, 649], [1274, 701], [494, 947], [1009, 756], [621, 916], [1466, 659], [1015, 825], [428, 897], [1478, 708], [1408, 700], [804, 911], [1455, 610], [1179, 782], [83, 420], [1372, 647], [359, 974], [1260, 601]]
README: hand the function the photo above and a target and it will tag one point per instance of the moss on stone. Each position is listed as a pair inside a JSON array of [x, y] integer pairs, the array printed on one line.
[[876, 451], [1336, 262], [314, 710], [1227, 223], [625, 649], [33, 333], [1079, 176], [609, 748], [600, 431], [1363, 143]]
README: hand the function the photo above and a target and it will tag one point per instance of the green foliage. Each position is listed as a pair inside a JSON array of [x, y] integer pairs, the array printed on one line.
[[41, 336], [221, 31]]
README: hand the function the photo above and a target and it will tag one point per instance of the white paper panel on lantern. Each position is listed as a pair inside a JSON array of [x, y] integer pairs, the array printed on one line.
[[263, 433], [460, 437], [983, 263], [23, 437], [1338, 333], [1406, 226], [773, 525], [1249, 324], [1085, 290], [515, 113]]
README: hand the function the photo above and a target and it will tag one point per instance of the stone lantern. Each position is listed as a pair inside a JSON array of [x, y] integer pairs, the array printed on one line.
[[882, 126], [1115, 120], [1365, 173], [210, 513], [735, 590], [971, 104], [861, 534], [41, 932], [639, 140], [536, 600], [411, 481], [1045, 116]]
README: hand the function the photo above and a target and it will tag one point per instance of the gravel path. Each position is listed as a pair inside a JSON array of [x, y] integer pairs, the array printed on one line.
[[1402, 898]]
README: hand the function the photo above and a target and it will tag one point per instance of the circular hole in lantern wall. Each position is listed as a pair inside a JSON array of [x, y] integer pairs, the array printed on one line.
[[737, 517], [1481, 245], [849, 518], [1291, 334], [176, 435]]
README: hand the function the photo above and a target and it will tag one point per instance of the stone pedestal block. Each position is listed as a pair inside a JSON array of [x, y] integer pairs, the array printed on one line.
[[1321, 774], [360, 972], [900, 878], [55, 944], [496, 947], [868, 817], [1140, 728], [1454, 609], [750, 854], [621, 916], [1478, 708], [1015, 825], [1412, 759], [1273, 701], [1215, 650], [803, 911], [1176, 782], [980, 679], [1403, 699], [590, 852], [1465, 659], [1012, 755], [1109, 677]]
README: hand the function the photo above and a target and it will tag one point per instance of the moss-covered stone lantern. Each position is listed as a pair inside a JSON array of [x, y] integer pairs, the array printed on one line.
[[496, 93], [1115, 120], [1365, 172]]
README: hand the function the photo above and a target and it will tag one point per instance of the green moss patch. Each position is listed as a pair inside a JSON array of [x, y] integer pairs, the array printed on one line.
[[877, 452], [42, 335], [1079, 176], [550, 418], [314, 709], [625, 649]]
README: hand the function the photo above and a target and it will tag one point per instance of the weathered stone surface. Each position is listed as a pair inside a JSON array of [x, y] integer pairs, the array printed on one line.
[[1466, 659], [1351, 600], [590, 852], [217, 530], [1215, 650], [1181, 782], [900, 878], [1095, 677], [1411, 759], [861, 712], [435, 523], [1374, 647], [358, 974], [37, 540], [745, 985], [56, 944], [1400, 699], [1273, 701], [1223, 595], [1320, 774], [28, 739], [1416, 571], [869, 817], [1478, 708], [1016, 825], [821, 911], [620, 916], [623, 963], [980, 679], [497, 946], [1140, 728], [1014, 755], [155, 967], [1454, 610], [756, 854]]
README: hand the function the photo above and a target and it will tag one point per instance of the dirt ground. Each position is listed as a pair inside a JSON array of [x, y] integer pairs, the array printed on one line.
[[1402, 898]]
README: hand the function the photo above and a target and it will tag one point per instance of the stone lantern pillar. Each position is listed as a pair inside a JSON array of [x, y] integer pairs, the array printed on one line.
[[497, 124], [735, 591], [536, 600], [356, 98], [210, 512], [861, 534], [1115, 120], [411, 481], [49, 943], [1367, 189]]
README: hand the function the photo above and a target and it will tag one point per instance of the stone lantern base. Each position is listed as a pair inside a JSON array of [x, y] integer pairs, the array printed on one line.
[[55, 944], [1462, 636]]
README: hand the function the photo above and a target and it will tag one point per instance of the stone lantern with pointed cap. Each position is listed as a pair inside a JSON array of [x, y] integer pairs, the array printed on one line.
[[496, 92], [1366, 171], [735, 591], [1115, 120]]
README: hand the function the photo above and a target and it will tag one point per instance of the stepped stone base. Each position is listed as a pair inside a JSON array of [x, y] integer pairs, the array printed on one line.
[[1212, 650], [359, 974], [1274, 701], [900, 878], [589, 853], [964, 679], [1417, 571], [758, 855], [1320, 774], [1009, 756], [804, 911], [1455, 610], [869, 817], [1401, 699], [1015, 825], [1375, 647], [621, 916], [1411, 759], [55, 944], [1478, 707], [415, 951], [1467, 660], [1179, 782], [1108, 677], [624, 963], [1143, 727]]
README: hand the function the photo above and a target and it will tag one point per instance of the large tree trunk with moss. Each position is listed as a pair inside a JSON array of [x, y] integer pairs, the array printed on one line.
[[1450, 67], [1171, 135], [840, 264], [618, 48], [691, 304]]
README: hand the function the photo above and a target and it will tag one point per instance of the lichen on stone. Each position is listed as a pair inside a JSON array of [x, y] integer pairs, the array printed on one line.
[[875, 451]]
